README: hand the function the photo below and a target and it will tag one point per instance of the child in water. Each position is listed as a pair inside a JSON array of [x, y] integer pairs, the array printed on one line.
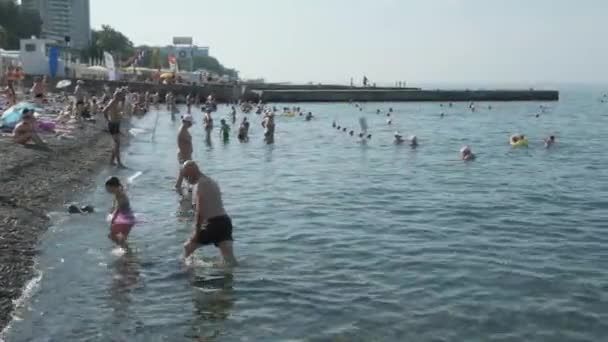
[[122, 218], [224, 130]]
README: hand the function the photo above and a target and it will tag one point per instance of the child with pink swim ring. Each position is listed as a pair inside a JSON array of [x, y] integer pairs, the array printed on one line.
[[121, 218]]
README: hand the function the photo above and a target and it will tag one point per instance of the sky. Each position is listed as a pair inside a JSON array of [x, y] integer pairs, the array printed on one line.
[[418, 41]]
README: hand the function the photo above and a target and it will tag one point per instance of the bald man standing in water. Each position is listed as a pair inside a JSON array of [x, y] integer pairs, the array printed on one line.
[[212, 224]]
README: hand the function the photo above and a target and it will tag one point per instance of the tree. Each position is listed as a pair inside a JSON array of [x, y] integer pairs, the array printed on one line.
[[110, 40], [17, 24]]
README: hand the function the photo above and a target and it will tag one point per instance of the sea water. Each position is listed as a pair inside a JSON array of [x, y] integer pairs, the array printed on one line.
[[343, 241]]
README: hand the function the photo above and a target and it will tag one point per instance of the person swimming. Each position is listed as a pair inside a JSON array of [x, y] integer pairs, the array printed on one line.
[[351, 133], [333, 124], [514, 139], [224, 130], [398, 139], [344, 129], [466, 154], [413, 141], [338, 127], [122, 217], [442, 114], [549, 141], [308, 116]]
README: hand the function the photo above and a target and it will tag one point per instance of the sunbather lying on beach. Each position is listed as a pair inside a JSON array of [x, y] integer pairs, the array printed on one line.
[[25, 132]]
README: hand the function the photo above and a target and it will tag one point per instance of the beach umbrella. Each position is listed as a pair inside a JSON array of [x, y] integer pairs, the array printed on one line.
[[63, 84]]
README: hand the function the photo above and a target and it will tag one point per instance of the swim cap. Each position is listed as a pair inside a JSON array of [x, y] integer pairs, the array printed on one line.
[[188, 118], [465, 149]]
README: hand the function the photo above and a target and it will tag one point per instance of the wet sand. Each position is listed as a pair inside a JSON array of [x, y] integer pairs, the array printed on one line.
[[34, 182]]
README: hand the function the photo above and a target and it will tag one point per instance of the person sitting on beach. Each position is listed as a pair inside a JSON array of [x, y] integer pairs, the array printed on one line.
[[10, 94], [122, 218], [466, 154], [398, 139], [224, 130], [413, 141], [24, 132], [212, 224], [112, 114], [549, 141], [38, 90]]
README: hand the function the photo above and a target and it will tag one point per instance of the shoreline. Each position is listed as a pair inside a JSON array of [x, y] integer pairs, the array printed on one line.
[[33, 183]]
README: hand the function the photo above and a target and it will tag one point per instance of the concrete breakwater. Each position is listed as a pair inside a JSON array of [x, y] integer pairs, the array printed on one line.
[[401, 95], [226, 93]]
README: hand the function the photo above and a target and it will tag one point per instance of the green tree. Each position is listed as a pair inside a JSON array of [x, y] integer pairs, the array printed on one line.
[[17, 24], [110, 40]]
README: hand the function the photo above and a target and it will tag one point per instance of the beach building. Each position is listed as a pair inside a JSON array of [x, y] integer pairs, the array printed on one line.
[[66, 21]]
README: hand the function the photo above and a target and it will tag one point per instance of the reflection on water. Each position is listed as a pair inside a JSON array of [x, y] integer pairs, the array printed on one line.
[[125, 279], [339, 241]]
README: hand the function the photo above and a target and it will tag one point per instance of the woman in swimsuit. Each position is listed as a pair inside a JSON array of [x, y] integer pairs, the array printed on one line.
[[122, 218]]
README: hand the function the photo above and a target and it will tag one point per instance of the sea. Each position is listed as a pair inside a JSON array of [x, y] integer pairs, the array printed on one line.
[[340, 240]]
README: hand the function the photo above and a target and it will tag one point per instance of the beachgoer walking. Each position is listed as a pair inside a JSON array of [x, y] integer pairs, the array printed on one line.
[[212, 224], [122, 217]]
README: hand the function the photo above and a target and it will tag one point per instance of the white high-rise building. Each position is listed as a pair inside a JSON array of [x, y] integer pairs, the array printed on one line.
[[64, 18]]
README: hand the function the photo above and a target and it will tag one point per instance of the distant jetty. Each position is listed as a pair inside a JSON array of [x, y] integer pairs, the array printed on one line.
[[336, 94]]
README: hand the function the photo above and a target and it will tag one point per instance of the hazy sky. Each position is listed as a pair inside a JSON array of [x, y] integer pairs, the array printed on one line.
[[420, 41]]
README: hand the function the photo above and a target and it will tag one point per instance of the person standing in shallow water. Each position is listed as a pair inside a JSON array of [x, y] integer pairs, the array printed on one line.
[[184, 142], [112, 114], [122, 218], [212, 224], [268, 124], [224, 131]]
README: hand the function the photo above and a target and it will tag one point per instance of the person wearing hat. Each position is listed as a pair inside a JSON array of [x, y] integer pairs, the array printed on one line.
[[413, 141], [398, 139], [25, 131], [466, 154]]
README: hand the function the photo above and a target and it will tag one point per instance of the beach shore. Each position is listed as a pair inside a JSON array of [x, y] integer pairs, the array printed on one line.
[[34, 182]]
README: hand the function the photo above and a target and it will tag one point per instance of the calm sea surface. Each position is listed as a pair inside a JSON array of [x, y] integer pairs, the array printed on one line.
[[344, 242]]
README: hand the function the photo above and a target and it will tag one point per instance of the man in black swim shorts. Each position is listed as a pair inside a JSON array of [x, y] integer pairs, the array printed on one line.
[[212, 224]]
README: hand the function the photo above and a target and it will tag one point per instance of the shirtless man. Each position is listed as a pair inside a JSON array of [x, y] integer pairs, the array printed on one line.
[[189, 101], [184, 143], [79, 95], [38, 90], [112, 113], [25, 131], [212, 224], [268, 125]]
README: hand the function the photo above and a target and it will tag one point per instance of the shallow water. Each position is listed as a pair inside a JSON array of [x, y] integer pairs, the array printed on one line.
[[345, 242]]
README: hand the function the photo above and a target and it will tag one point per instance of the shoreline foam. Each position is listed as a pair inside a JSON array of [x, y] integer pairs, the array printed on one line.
[[34, 182]]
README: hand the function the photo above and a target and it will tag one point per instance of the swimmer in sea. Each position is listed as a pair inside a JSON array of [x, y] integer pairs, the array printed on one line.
[[308, 116], [466, 154], [122, 219], [549, 141], [514, 139], [413, 141], [344, 129], [398, 139], [338, 127], [351, 133], [212, 224], [224, 131], [333, 124], [378, 111], [184, 141]]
